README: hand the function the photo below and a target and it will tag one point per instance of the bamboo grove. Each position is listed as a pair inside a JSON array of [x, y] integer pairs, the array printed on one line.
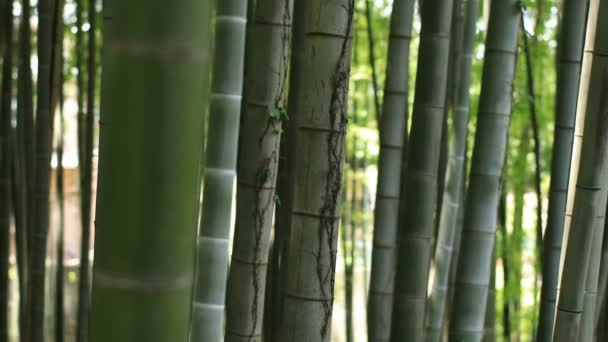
[[303, 170]]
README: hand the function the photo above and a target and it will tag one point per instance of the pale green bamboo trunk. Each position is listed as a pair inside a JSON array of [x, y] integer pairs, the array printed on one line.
[[570, 48], [150, 146], [264, 112], [483, 193], [603, 277], [592, 300], [587, 203], [419, 183], [489, 330], [393, 133], [219, 172], [452, 199], [321, 126]]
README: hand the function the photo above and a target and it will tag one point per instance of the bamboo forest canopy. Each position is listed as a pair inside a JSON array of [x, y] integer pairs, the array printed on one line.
[[303, 170]]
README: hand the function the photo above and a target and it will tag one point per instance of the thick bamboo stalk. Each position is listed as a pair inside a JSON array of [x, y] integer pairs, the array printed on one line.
[[393, 138], [587, 203], [150, 146], [483, 193], [264, 112], [320, 140], [419, 183], [6, 96], [285, 184], [452, 199], [603, 278], [489, 330], [569, 50], [219, 172]]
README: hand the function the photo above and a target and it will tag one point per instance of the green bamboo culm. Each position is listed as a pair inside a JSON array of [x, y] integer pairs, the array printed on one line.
[[587, 188], [22, 157], [40, 216], [320, 138], [393, 136], [592, 286], [265, 90], [86, 174], [603, 280], [453, 197], [79, 87], [285, 184], [58, 101], [489, 328], [419, 182], [483, 193], [6, 95], [219, 172], [569, 50], [151, 128]]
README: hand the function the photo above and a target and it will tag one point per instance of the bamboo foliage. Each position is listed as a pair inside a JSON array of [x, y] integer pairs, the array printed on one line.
[[265, 88], [219, 172], [393, 132], [419, 183], [586, 204], [307, 307], [483, 193], [453, 197], [148, 174], [570, 47]]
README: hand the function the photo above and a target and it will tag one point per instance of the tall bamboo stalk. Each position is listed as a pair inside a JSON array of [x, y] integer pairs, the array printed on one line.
[[533, 108], [59, 185], [40, 212], [506, 304], [603, 277], [452, 199], [151, 129], [489, 330], [57, 76], [419, 184], [25, 135], [393, 139], [320, 140], [587, 203], [483, 193], [372, 56], [80, 90], [86, 176], [285, 184], [261, 128], [6, 96], [219, 172], [569, 51]]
